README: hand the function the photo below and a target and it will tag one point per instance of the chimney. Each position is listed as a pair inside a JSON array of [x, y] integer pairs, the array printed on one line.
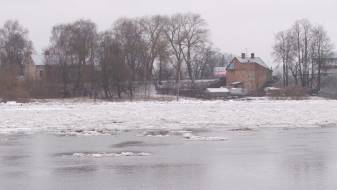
[[243, 55], [253, 55]]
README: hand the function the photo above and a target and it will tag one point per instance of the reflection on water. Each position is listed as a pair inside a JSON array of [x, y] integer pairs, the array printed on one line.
[[250, 159]]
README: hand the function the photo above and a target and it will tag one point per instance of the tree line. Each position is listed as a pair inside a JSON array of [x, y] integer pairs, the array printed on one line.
[[131, 56], [138, 53], [302, 50]]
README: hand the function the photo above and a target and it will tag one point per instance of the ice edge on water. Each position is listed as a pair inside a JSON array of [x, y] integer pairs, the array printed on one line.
[[104, 154], [191, 137]]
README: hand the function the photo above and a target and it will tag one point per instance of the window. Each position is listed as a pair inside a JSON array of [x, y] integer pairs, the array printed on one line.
[[231, 66]]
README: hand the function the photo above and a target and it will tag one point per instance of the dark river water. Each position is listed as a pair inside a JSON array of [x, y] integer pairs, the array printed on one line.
[[262, 159]]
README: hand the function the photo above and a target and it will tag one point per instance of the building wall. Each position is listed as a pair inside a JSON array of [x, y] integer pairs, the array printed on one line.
[[253, 76], [330, 67], [329, 79], [33, 72], [39, 72], [29, 72]]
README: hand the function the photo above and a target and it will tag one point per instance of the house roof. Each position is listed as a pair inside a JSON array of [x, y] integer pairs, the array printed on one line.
[[256, 60]]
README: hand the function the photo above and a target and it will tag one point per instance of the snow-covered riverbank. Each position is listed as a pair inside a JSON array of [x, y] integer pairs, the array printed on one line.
[[105, 117]]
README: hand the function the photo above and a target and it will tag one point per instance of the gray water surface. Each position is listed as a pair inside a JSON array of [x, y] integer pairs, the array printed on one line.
[[263, 159]]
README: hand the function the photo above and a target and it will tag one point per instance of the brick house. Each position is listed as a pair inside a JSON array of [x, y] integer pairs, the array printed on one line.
[[249, 73]]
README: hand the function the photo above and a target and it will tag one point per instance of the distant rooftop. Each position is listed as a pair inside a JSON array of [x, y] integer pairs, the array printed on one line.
[[245, 59], [256, 60]]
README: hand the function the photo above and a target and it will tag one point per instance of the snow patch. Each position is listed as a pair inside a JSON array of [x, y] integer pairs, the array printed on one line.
[[11, 103]]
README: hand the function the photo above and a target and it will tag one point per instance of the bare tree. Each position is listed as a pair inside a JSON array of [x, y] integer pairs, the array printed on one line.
[[114, 73], [301, 50], [321, 49], [83, 43], [59, 59], [129, 34], [175, 35], [73, 49], [195, 36], [15, 52], [203, 62], [152, 30], [164, 67], [283, 52], [16, 48]]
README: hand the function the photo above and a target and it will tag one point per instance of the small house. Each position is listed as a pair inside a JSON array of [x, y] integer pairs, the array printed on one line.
[[249, 73]]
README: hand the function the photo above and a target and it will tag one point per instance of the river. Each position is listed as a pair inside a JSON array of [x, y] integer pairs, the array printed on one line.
[[263, 158]]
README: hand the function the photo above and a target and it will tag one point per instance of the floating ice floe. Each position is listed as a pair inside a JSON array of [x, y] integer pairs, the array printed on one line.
[[328, 125], [133, 154], [245, 129], [104, 154], [86, 132], [156, 133], [191, 137], [165, 133], [180, 132], [186, 134]]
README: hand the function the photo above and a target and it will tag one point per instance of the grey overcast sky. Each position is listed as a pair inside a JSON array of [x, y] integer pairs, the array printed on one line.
[[236, 25]]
